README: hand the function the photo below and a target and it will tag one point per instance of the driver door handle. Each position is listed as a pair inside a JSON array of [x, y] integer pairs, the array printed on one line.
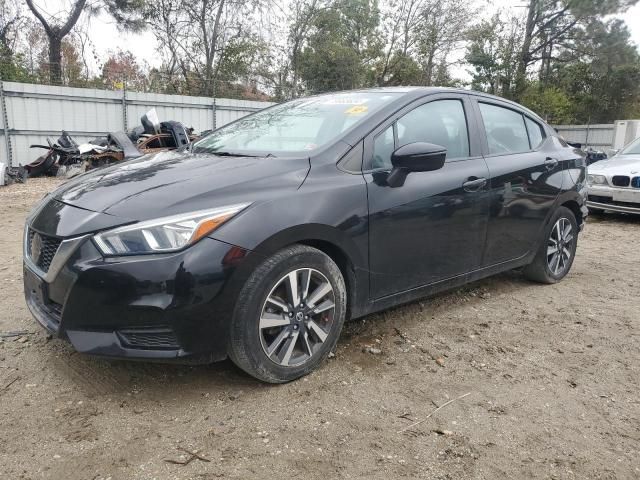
[[474, 184]]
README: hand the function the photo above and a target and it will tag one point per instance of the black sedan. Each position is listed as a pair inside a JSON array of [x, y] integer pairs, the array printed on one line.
[[261, 239]]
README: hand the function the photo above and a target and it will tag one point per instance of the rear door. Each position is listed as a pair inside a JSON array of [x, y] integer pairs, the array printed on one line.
[[432, 227], [526, 179]]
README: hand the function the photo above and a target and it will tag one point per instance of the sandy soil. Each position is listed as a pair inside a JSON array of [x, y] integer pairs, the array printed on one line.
[[552, 372]]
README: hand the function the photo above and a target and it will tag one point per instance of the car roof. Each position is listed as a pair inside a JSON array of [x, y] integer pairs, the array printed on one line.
[[413, 92]]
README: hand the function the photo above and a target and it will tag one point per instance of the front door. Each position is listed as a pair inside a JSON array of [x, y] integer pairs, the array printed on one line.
[[433, 227]]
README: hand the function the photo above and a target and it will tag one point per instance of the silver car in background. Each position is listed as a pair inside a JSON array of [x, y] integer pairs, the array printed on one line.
[[614, 184]]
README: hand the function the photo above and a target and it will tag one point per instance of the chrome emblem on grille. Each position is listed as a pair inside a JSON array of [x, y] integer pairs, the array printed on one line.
[[36, 247]]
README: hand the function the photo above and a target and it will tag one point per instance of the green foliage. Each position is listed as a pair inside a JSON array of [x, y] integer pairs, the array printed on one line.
[[404, 71], [341, 46], [492, 53], [551, 103], [603, 83], [12, 67]]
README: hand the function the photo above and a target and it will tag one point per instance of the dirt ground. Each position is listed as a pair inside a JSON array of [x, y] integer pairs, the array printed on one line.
[[552, 375]]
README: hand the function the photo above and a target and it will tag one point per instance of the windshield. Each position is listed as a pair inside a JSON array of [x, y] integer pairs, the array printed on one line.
[[295, 126], [632, 149]]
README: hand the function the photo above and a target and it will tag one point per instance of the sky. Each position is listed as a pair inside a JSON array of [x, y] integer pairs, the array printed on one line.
[[106, 38]]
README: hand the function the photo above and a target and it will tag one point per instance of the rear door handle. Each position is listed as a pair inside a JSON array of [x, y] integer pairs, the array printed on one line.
[[474, 184], [551, 163]]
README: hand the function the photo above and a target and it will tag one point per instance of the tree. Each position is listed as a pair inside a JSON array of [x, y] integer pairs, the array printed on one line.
[[341, 46], [551, 103], [601, 75], [125, 12], [200, 37], [444, 27], [55, 33], [402, 19], [551, 24], [11, 23], [492, 52], [421, 36], [122, 67]]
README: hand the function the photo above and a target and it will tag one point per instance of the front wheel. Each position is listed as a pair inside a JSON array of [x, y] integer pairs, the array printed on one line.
[[556, 253], [288, 316]]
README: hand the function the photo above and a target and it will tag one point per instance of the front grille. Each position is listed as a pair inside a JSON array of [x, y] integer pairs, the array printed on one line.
[[41, 249], [620, 180], [150, 338], [635, 182]]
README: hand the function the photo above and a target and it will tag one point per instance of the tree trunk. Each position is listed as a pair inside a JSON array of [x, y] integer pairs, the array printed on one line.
[[55, 60], [525, 52]]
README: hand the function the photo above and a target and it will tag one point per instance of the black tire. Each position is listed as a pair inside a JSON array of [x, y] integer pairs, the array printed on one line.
[[249, 341], [543, 268], [42, 165]]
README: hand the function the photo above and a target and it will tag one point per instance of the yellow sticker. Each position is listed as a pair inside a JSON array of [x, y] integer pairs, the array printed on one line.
[[356, 110]]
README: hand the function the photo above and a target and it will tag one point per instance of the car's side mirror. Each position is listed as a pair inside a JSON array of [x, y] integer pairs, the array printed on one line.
[[415, 157]]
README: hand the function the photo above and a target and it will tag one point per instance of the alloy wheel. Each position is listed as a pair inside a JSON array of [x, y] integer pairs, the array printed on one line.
[[296, 317], [560, 246]]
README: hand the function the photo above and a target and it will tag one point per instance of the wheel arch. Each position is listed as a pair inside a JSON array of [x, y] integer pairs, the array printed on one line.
[[337, 246], [575, 202]]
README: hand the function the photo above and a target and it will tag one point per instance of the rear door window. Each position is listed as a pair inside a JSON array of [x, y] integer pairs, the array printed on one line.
[[536, 134], [505, 129]]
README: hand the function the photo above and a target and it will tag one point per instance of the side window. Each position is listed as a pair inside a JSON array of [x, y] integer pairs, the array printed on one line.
[[383, 147], [441, 122], [536, 134], [505, 129]]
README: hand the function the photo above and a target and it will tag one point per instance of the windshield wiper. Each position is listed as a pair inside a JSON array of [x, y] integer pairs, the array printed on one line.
[[227, 154], [222, 153]]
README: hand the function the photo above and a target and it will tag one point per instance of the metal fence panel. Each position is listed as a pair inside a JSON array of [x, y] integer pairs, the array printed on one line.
[[35, 112], [598, 136]]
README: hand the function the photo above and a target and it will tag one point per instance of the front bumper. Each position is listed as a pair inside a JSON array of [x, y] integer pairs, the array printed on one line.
[[170, 306], [616, 199]]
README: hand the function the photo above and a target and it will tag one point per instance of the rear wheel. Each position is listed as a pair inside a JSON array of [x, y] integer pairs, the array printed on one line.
[[289, 315], [555, 255]]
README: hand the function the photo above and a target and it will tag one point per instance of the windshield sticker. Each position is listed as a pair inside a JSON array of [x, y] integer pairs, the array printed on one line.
[[310, 146], [345, 101], [356, 110]]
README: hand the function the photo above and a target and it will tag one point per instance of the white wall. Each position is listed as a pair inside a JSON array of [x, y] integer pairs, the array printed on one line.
[[35, 112]]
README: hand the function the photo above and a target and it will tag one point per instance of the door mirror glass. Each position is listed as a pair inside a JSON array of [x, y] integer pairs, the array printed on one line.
[[415, 157]]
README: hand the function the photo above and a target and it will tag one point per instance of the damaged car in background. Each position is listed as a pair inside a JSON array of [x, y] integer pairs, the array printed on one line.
[[66, 158], [614, 184]]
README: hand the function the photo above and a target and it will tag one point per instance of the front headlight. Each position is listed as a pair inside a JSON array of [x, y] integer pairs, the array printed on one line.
[[596, 179], [167, 234]]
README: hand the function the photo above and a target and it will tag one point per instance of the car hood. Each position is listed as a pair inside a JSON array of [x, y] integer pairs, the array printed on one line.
[[169, 183], [617, 165]]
